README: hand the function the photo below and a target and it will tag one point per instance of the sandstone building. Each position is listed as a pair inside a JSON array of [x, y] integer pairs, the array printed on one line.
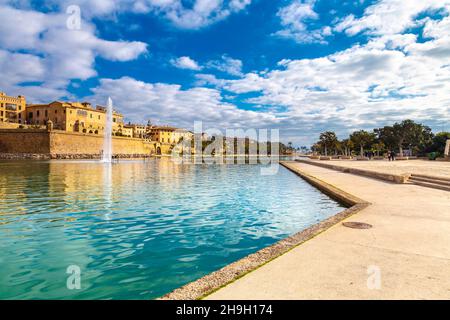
[[169, 135], [73, 117], [76, 129], [12, 109]]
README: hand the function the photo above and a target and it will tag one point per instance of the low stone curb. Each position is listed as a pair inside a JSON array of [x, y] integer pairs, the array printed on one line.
[[401, 179], [214, 281]]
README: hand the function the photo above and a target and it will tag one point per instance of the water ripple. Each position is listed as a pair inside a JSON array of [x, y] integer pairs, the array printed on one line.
[[139, 229]]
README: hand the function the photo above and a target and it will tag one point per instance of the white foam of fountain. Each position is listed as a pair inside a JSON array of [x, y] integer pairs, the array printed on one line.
[[107, 142], [107, 190]]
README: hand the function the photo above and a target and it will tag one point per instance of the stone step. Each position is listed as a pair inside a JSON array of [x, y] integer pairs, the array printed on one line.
[[431, 185], [430, 180], [430, 177]]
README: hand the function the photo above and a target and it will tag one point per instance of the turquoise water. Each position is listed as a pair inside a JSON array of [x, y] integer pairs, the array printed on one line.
[[136, 229]]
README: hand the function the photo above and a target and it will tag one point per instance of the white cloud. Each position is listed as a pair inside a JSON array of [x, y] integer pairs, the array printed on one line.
[[200, 14], [55, 55], [391, 78], [226, 64], [209, 79], [169, 104], [388, 17], [295, 17], [19, 67], [185, 63]]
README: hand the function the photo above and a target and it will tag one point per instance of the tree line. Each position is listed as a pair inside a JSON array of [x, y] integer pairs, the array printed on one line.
[[405, 135], [244, 146]]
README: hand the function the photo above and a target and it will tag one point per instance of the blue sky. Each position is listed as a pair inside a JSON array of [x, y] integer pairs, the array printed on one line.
[[303, 66]]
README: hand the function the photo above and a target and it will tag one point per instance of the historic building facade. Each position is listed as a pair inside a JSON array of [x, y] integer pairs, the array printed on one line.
[[83, 120], [169, 135], [12, 109], [73, 117], [138, 130]]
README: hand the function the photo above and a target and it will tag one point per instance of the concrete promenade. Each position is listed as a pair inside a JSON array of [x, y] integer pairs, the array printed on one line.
[[432, 168], [406, 255]]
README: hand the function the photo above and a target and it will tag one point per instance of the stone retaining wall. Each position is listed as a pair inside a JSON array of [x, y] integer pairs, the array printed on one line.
[[82, 144], [24, 141], [43, 144]]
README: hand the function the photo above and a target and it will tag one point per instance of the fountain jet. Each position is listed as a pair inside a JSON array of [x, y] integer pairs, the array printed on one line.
[[107, 142]]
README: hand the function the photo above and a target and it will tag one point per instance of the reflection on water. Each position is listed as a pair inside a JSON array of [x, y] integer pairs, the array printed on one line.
[[139, 229]]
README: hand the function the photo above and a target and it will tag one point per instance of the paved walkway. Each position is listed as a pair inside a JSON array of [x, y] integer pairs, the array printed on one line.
[[406, 255], [432, 168]]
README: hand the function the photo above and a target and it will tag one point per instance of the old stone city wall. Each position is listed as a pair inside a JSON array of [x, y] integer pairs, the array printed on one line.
[[28, 143]]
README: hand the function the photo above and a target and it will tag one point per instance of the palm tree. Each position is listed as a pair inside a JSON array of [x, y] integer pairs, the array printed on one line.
[[362, 138], [290, 146], [328, 140]]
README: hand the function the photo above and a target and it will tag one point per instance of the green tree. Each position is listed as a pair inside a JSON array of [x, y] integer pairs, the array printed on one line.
[[362, 139], [317, 147], [439, 142], [347, 146], [378, 147], [406, 134], [328, 140], [388, 137]]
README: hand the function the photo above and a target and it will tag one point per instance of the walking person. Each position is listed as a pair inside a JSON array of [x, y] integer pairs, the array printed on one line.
[[393, 155]]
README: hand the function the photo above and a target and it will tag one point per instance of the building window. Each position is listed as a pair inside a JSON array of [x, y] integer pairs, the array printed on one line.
[[46, 113], [37, 113], [56, 111], [91, 115]]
